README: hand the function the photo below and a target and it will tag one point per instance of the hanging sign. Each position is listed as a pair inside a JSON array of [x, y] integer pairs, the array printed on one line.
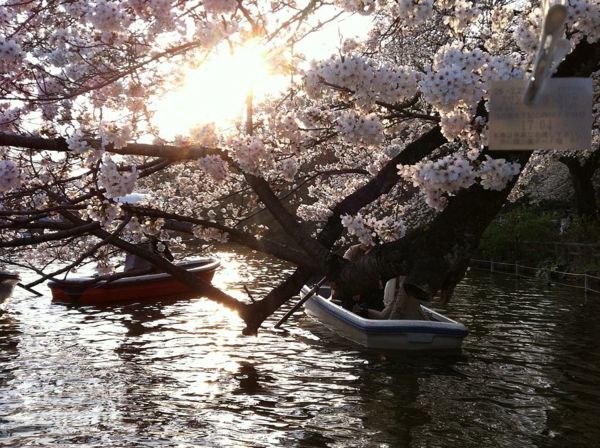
[[559, 118]]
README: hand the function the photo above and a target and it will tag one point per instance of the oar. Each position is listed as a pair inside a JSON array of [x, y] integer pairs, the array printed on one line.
[[301, 302]]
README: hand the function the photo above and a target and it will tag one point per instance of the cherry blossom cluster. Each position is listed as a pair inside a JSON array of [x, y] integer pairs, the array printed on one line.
[[527, 32], [356, 128], [109, 17], [153, 226], [457, 80], [464, 13], [448, 174], [211, 33], [451, 173], [215, 167], [11, 55], [134, 227], [251, 154], [288, 168], [104, 262], [583, 19], [451, 81], [77, 143], [117, 136], [9, 118], [40, 199], [220, 6], [500, 19], [105, 212], [210, 234], [502, 68], [357, 226], [454, 124], [259, 231], [496, 173], [287, 126], [367, 81], [9, 176], [115, 183], [364, 7], [316, 212], [414, 12], [584, 16], [389, 228], [350, 45], [160, 14], [205, 135], [49, 87], [459, 124], [366, 228], [326, 192]]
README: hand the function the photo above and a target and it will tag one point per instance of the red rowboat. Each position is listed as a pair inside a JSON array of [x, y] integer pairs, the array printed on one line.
[[87, 291]]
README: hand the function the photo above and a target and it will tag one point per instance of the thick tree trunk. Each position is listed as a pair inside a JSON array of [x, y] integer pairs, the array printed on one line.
[[582, 174], [434, 257]]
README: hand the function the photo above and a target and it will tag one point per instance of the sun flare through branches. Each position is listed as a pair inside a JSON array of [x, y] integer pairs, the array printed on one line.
[[217, 91]]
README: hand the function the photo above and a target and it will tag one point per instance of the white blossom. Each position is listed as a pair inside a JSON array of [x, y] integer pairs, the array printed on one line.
[[9, 176]]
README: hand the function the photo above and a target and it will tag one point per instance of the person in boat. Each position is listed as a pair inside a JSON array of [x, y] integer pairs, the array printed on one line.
[[136, 263], [398, 304], [360, 303]]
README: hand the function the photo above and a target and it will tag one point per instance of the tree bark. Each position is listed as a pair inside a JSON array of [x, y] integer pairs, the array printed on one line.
[[581, 174], [433, 257]]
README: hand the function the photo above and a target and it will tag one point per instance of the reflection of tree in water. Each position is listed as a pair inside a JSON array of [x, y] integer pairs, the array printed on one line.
[[390, 393], [265, 403], [139, 320], [8, 344], [143, 399], [8, 352], [8, 340], [251, 382]]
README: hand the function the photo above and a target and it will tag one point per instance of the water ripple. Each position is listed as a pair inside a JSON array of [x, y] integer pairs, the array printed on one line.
[[180, 374]]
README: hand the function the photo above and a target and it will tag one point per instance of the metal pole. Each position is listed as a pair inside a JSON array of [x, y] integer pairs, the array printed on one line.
[[301, 302]]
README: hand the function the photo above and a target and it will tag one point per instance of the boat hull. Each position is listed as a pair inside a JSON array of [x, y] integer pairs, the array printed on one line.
[[80, 290], [438, 333]]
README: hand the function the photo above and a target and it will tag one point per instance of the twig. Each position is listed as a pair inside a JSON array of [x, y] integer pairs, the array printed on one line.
[[249, 295]]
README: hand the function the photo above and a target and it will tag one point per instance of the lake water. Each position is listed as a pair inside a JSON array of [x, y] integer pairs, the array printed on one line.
[[181, 374]]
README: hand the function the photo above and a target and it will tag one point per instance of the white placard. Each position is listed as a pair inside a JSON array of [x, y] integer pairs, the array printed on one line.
[[559, 118]]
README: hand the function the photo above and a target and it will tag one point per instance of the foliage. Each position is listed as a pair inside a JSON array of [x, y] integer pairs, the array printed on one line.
[[582, 231], [532, 236], [503, 239]]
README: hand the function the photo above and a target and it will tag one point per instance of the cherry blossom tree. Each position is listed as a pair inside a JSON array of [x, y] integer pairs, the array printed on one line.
[[386, 138]]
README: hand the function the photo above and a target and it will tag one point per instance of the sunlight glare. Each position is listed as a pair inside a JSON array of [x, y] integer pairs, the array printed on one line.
[[216, 92]]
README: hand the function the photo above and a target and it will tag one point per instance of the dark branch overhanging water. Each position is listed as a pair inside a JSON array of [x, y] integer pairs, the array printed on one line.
[[181, 374]]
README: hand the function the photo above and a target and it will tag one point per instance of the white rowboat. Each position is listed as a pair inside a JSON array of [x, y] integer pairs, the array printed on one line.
[[438, 333]]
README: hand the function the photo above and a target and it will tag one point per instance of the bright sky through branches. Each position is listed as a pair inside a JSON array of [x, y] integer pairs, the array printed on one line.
[[217, 91]]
